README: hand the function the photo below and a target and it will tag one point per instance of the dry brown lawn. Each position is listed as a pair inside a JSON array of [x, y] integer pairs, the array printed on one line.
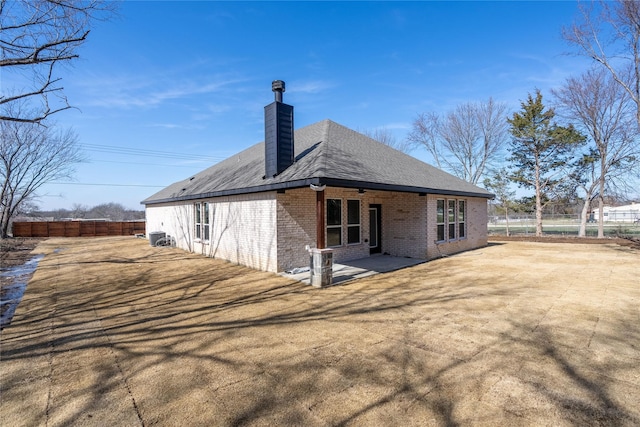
[[114, 332]]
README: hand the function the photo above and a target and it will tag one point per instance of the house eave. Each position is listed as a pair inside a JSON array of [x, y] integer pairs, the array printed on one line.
[[400, 188], [330, 182], [237, 191]]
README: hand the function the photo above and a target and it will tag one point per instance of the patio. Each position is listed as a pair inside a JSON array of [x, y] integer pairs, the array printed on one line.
[[358, 269]]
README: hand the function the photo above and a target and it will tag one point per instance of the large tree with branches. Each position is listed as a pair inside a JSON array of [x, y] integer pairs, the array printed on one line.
[[465, 141], [31, 155], [603, 110], [541, 151], [609, 33], [35, 37]]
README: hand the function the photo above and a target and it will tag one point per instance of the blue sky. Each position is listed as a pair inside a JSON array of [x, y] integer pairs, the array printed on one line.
[[174, 87]]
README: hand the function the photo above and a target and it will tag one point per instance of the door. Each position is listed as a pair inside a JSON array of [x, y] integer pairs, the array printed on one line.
[[375, 229]]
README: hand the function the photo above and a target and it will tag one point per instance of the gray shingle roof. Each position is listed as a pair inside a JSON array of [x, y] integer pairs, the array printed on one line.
[[325, 153]]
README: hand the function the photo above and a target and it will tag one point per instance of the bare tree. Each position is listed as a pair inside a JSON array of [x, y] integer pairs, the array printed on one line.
[[465, 141], [30, 156], [584, 176], [609, 33], [385, 136], [78, 210], [37, 35], [603, 110], [112, 211], [499, 184]]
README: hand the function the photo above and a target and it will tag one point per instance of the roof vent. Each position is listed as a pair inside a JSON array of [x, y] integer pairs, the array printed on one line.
[[278, 129]]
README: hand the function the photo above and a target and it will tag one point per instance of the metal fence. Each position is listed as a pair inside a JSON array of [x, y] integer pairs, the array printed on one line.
[[566, 225]]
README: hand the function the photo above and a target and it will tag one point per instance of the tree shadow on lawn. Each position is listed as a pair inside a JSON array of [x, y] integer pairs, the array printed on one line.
[[239, 346]]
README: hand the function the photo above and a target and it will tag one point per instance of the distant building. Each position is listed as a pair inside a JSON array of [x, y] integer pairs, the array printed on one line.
[[626, 213]]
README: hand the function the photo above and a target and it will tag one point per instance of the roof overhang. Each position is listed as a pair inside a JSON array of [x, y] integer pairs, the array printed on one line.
[[237, 191], [400, 188], [329, 182]]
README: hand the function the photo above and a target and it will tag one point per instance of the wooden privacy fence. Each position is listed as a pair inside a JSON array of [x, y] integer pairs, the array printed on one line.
[[77, 228]]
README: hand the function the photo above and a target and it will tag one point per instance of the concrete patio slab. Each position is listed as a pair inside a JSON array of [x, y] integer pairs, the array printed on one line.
[[358, 269]]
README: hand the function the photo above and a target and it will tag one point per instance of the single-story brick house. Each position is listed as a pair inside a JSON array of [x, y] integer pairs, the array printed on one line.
[[323, 185]]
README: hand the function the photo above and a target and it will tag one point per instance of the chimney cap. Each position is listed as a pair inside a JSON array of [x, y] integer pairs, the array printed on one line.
[[277, 86]]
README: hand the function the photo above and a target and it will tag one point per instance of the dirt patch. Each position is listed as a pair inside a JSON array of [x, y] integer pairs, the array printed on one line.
[[112, 331], [16, 251]]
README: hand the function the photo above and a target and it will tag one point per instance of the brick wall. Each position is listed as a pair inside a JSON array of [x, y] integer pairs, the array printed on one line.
[[175, 220], [404, 223], [296, 227], [476, 227], [408, 225], [243, 228], [403, 216], [269, 231]]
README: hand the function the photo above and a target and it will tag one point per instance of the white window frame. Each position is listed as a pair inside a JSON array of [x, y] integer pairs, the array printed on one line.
[[451, 220], [333, 226], [354, 225], [443, 223], [206, 224], [462, 222], [197, 221], [202, 222], [452, 216]]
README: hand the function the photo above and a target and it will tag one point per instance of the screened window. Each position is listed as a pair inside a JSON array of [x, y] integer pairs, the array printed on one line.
[[202, 221], [440, 219], [205, 222], [353, 221], [334, 222], [451, 217], [462, 219], [198, 221]]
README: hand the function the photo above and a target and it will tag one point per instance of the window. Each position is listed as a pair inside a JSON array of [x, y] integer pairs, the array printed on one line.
[[453, 225], [353, 221], [462, 221], [198, 221], [440, 220], [334, 222], [205, 222], [202, 221], [451, 217]]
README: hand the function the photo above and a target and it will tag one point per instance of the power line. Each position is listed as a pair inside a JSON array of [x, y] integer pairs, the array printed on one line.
[[108, 185], [144, 164], [148, 153]]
